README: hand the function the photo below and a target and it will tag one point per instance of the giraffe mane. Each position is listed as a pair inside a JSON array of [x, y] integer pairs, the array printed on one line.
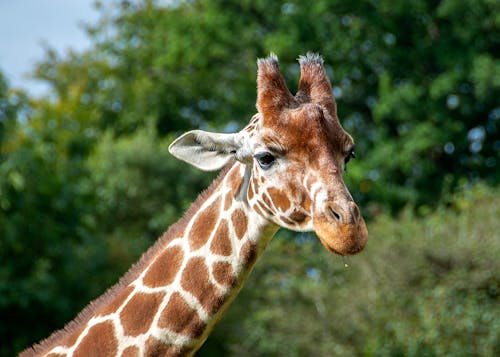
[[86, 313]]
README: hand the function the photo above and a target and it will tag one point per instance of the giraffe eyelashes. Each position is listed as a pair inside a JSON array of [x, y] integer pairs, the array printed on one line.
[[265, 159], [349, 156]]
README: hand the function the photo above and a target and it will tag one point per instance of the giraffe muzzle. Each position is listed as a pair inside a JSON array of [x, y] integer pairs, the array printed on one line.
[[341, 228]]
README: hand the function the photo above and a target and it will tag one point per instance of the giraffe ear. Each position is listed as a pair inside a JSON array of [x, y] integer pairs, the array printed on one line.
[[207, 151]]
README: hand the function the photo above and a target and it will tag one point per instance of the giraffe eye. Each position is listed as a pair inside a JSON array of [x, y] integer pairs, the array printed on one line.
[[265, 159]]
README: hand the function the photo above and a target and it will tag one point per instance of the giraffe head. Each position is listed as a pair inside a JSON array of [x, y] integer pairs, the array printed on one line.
[[295, 152]]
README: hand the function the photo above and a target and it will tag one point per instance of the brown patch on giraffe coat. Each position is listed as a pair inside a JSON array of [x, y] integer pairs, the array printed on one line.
[[131, 351], [137, 316], [181, 318], [113, 305], [267, 200], [156, 348], [223, 273], [164, 268], [221, 244], [279, 198], [204, 225], [298, 216], [99, 341], [248, 253], [240, 223], [228, 200], [250, 193], [53, 354], [195, 279], [234, 182]]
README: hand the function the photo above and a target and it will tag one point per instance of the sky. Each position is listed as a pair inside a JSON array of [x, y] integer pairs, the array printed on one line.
[[26, 24]]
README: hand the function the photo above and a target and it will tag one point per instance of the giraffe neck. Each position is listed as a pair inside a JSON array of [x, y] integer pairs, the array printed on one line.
[[170, 301]]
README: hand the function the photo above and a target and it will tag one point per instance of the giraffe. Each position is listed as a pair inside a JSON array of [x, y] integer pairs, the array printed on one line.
[[284, 169]]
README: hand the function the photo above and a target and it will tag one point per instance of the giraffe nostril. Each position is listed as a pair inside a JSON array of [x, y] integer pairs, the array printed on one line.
[[335, 214]]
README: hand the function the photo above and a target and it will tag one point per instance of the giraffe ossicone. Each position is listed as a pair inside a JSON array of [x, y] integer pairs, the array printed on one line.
[[284, 169]]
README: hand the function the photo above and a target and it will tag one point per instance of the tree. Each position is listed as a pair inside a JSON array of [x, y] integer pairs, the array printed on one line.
[[42, 224], [415, 86]]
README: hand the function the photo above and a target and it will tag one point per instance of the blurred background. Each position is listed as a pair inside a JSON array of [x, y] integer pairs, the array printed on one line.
[[87, 184]]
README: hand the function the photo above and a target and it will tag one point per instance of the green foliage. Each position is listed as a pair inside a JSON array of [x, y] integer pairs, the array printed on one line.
[[86, 183], [45, 237], [423, 286], [416, 92], [132, 175]]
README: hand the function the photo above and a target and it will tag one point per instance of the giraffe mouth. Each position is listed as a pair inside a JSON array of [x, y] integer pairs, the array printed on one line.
[[350, 250]]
